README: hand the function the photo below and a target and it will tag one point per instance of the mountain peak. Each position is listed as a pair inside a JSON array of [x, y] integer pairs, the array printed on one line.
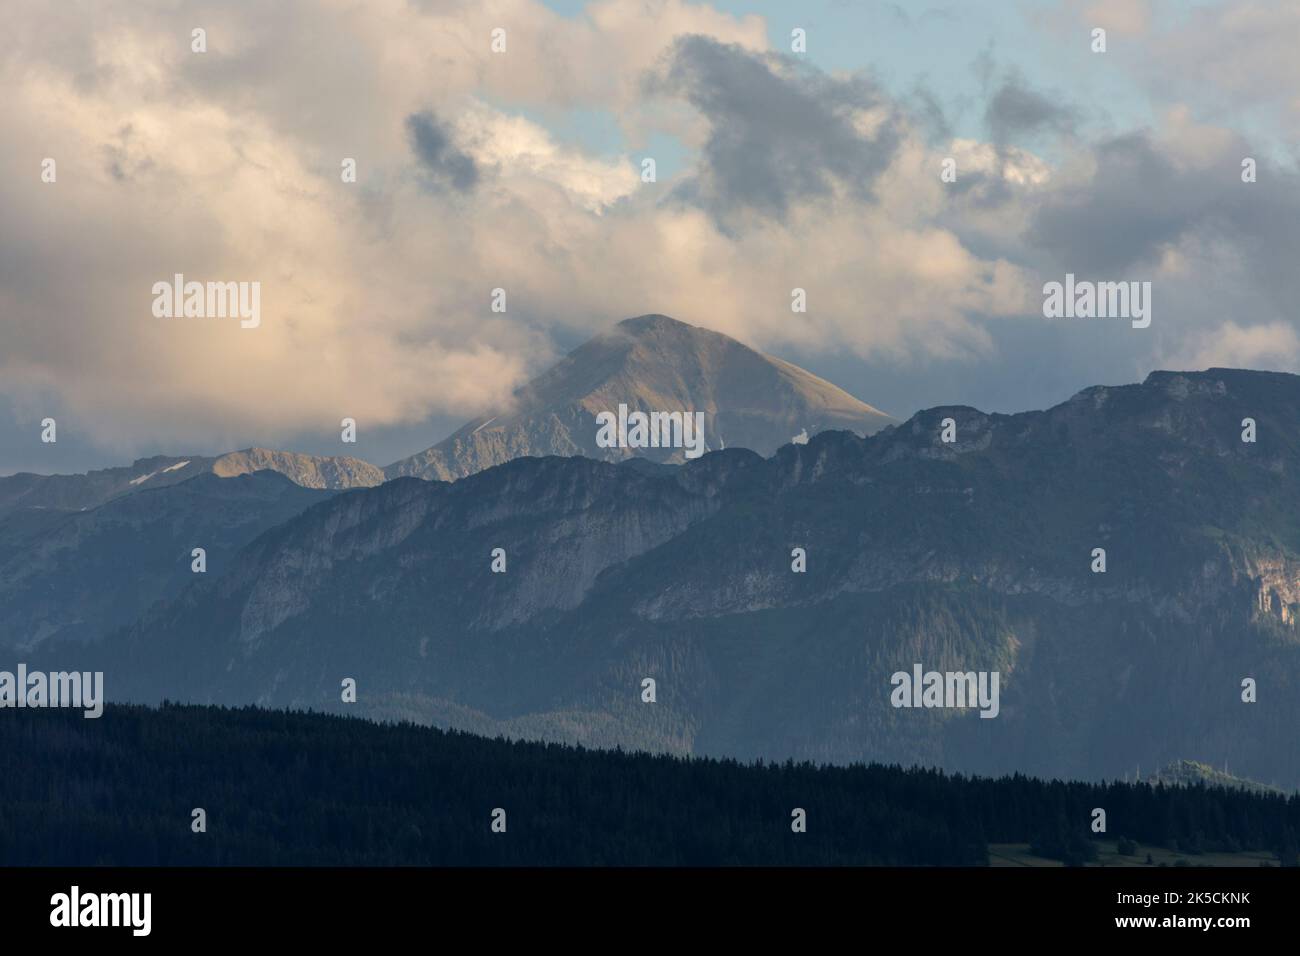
[[651, 363], [310, 471], [653, 320], [665, 336]]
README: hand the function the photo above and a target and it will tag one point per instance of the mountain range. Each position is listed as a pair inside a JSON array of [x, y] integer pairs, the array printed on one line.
[[66, 493], [78, 558], [650, 363], [976, 554]]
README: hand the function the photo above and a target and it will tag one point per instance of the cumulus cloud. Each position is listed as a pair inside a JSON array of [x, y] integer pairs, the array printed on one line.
[[1236, 58], [1016, 110], [1140, 197], [1272, 346], [376, 294], [437, 154], [776, 133]]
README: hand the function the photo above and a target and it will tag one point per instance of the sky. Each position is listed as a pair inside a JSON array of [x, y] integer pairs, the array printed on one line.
[[522, 169]]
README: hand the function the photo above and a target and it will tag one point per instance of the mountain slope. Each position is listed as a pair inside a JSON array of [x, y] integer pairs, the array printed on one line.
[[90, 490], [974, 555], [335, 472], [78, 492], [79, 575], [650, 363]]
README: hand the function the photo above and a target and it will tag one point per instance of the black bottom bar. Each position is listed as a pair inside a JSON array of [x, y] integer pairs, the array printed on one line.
[[927, 905]]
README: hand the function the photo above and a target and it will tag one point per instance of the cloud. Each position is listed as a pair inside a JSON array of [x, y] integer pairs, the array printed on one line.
[[1273, 346], [1125, 18], [225, 166], [1018, 166], [1121, 19], [1234, 59], [777, 134], [1140, 196], [519, 150], [376, 294], [1015, 110], [436, 153]]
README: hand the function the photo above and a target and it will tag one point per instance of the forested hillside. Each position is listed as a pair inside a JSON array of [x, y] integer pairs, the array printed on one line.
[[297, 788]]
